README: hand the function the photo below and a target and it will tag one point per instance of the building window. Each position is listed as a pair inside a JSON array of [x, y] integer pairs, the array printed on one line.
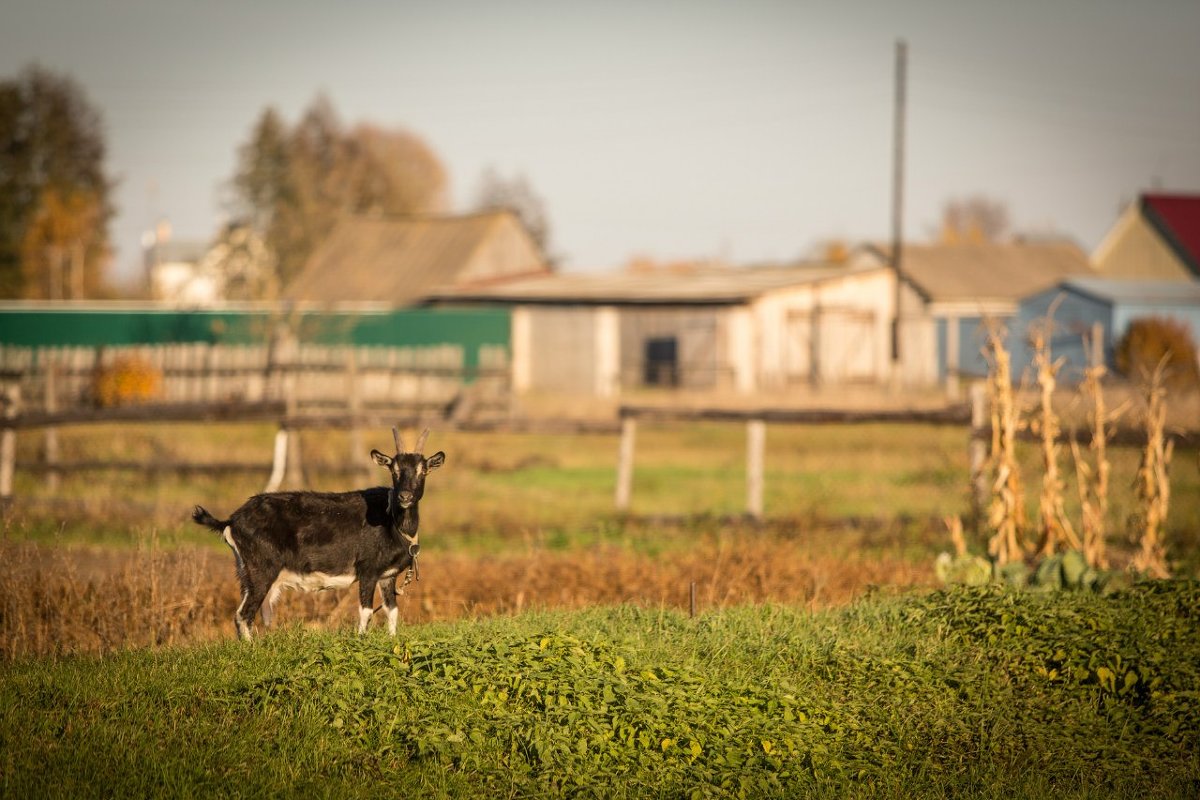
[[662, 361]]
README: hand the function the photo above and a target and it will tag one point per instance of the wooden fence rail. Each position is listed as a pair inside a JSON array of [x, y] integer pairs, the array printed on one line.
[[972, 415]]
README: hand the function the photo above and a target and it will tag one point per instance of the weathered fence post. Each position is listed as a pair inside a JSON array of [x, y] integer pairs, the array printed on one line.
[[293, 475], [8, 440], [279, 461], [51, 442], [354, 411], [625, 462], [977, 448], [756, 437]]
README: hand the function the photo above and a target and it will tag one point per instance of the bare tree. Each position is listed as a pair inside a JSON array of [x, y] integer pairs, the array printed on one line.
[[518, 196], [974, 220], [294, 183]]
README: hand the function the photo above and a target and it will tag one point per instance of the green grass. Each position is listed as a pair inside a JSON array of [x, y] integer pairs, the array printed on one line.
[[976, 693]]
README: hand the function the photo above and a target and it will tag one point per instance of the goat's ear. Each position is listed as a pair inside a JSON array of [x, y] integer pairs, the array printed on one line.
[[381, 459], [434, 461]]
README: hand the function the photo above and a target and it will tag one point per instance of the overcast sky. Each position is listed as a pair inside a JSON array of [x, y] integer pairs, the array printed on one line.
[[749, 131]]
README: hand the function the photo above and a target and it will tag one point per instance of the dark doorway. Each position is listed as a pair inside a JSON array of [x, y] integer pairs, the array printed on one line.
[[662, 361]]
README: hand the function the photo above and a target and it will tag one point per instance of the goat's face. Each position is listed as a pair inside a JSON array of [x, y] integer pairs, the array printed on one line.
[[408, 472]]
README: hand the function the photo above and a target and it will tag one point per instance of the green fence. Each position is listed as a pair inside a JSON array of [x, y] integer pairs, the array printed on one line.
[[472, 329]]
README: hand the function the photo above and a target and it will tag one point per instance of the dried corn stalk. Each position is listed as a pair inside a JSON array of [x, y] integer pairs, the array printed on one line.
[[1153, 481], [955, 525], [1055, 528], [1092, 479], [1006, 511]]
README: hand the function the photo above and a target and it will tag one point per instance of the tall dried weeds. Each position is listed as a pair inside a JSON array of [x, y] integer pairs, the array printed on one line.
[[60, 600]]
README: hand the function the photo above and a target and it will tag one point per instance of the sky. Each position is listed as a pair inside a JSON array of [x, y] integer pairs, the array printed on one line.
[[748, 131]]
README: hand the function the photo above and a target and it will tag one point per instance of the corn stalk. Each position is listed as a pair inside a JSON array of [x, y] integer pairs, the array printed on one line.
[[1006, 511], [1092, 479], [1055, 528], [1153, 480]]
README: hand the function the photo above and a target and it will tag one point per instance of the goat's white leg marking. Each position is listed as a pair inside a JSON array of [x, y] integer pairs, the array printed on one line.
[[227, 535], [364, 616], [393, 617]]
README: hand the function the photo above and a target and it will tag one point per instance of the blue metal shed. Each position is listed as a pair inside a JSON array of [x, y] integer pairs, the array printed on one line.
[[1111, 302]]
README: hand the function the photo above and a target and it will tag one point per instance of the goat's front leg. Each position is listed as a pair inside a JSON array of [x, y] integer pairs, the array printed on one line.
[[366, 596], [387, 590]]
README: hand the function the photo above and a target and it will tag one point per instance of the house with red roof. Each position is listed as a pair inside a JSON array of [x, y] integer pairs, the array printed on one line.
[[1156, 238]]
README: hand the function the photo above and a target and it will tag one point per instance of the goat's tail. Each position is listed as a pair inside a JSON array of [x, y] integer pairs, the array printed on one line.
[[202, 517]]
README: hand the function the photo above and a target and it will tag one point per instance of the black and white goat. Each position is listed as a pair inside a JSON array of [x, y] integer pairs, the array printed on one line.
[[329, 540]]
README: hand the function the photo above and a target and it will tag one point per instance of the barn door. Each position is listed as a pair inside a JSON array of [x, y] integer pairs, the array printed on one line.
[[847, 344], [798, 347]]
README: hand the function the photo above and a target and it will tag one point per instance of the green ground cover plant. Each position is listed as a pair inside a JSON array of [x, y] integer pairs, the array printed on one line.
[[979, 692]]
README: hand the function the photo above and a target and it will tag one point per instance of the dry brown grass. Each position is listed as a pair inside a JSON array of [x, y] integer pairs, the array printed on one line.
[[62, 600]]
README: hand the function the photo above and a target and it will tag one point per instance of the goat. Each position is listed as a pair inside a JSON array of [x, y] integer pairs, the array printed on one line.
[[329, 540]]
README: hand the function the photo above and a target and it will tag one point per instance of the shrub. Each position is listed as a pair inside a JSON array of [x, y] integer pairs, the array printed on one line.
[[129, 379], [1148, 340]]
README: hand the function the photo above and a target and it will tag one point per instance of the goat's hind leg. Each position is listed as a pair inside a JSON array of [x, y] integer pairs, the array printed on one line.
[[254, 592]]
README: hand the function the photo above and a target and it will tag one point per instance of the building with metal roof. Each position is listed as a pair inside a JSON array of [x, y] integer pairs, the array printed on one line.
[[950, 291], [699, 327], [1083, 304], [401, 260]]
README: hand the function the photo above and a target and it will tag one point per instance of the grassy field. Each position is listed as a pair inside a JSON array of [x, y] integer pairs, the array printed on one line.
[[548, 650], [963, 693], [511, 523]]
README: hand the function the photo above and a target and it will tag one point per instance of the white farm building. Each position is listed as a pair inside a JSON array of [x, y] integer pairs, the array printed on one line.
[[745, 330]]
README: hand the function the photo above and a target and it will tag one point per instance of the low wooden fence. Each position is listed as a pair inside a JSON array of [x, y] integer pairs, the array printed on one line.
[[295, 385], [973, 416], [59, 378], [756, 435]]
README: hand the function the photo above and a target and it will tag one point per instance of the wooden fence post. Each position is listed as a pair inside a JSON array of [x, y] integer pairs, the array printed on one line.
[[51, 452], [293, 476], [625, 463], [756, 437], [977, 449], [354, 407], [8, 441]]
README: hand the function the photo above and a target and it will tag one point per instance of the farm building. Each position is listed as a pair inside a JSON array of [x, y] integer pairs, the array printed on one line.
[[1156, 238], [705, 328], [398, 261], [1111, 303], [951, 290], [173, 272]]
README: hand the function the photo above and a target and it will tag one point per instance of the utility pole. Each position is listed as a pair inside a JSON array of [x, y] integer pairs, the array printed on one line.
[[898, 197]]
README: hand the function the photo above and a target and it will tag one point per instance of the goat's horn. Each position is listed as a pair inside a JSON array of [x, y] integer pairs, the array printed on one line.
[[399, 441], [421, 441]]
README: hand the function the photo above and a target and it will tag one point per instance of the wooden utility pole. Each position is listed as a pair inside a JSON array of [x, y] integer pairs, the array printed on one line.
[[898, 196]]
